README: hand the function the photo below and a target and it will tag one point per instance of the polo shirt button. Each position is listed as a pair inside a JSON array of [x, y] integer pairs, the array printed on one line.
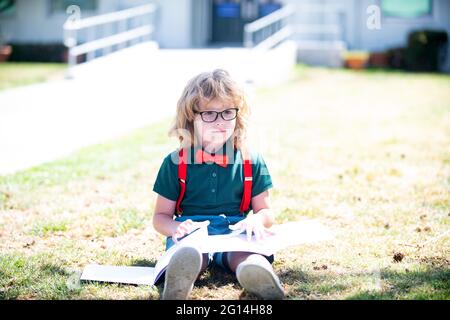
[[213, 190], [214, 174]]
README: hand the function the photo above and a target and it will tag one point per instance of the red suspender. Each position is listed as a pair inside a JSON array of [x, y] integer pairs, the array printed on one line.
[[182, 171], [246, 195]]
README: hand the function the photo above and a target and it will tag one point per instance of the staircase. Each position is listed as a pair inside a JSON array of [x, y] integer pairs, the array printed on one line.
[[319, 31]]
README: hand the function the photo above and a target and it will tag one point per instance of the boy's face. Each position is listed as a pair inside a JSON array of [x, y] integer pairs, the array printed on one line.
[[218, 132]]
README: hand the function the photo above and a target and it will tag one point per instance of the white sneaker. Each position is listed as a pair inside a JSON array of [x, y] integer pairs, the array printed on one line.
[[181, 273], [256, 275]]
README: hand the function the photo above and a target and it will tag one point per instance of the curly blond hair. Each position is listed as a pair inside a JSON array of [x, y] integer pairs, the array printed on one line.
[[203, 88]]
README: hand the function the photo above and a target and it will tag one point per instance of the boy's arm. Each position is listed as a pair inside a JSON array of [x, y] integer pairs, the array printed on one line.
[[163, 216], [260, 220], [261, 206], [163, 220]]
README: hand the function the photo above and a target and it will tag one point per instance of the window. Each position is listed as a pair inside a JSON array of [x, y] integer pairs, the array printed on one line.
[[58, 6], [406, 8]]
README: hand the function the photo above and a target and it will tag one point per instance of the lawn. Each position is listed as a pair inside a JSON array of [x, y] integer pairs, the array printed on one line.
[[15, 74], [366, 153]]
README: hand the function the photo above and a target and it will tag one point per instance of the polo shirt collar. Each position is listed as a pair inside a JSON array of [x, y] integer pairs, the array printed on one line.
[[223, 150]]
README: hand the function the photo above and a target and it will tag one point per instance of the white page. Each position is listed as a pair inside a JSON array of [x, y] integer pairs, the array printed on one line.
[[140, 275], [286, 235], [118, 274]]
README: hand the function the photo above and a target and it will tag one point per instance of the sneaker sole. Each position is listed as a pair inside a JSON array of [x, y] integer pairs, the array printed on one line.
[[181, 274], [260, 281]]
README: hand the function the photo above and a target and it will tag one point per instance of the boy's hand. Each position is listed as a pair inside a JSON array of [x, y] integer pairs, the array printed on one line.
[[253, 224], [185, 228]]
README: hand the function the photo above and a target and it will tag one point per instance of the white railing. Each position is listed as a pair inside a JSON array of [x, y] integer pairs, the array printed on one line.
[[270, 30], [121, 36]]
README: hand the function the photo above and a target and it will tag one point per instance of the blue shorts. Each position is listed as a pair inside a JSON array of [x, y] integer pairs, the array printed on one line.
[[217, 225]]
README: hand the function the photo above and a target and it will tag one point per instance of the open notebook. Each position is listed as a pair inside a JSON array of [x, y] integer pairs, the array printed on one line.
[[285, 235]]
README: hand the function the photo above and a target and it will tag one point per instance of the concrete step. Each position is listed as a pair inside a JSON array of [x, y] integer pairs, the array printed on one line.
[[322, 53]]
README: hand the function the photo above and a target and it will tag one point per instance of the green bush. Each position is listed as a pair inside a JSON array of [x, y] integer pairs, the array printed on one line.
[[426, 50], [396, 58], [38, 52]]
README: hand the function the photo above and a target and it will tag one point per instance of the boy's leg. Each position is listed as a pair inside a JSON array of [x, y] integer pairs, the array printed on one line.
[[206, 260], [255, 274], [233, 259], [181, 273]]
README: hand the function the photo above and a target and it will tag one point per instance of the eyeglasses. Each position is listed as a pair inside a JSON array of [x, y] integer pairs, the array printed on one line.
[[211, 116]]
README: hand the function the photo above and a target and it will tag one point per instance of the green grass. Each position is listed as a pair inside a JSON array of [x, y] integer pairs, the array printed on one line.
[[366, 153], [34, 277], [45, 228], [15, 74]]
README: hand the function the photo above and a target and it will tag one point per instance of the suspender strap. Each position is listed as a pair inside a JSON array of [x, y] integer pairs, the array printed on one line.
[[182, 170], [247, 194]]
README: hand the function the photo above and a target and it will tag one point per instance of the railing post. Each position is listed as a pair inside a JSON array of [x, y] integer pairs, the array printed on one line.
[[90, 36], [106, 32], [72, 59], [342, 26], [70, 40], [248, 41], [122, 27]]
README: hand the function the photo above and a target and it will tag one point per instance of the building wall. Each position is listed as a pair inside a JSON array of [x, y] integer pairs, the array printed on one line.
[[174, 23], [124, 4], [187, 23], [201, 22], [394, 31]]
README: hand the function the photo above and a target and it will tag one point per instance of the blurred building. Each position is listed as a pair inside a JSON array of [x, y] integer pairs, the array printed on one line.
[[179, 23], [324, 27]]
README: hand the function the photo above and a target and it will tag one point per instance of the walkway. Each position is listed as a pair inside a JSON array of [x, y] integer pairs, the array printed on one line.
[[111, 96]]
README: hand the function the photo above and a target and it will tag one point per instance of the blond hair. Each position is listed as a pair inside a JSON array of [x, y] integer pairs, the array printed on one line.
[[203, 88]]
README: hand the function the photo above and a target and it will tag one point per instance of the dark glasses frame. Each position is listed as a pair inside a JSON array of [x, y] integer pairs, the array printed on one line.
[[217, 114]]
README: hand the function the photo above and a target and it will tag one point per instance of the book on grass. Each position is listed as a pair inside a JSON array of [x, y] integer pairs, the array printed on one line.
[[285, 235]]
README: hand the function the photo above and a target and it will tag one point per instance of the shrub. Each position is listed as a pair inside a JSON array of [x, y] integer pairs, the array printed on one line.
[[426, 50], [38, 52]]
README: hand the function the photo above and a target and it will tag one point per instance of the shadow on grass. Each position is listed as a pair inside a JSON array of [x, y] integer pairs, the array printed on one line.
[[36, 278], [212, 278], [429, 280], [425, 284], [143, 263], [215, 277], [32, 278], [432, 284], [51, 269]]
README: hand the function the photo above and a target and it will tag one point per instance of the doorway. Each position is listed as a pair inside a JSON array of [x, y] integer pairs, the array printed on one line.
[[229, 18]]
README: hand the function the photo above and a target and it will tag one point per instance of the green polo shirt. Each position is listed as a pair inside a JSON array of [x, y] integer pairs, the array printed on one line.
[[210, 188]]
